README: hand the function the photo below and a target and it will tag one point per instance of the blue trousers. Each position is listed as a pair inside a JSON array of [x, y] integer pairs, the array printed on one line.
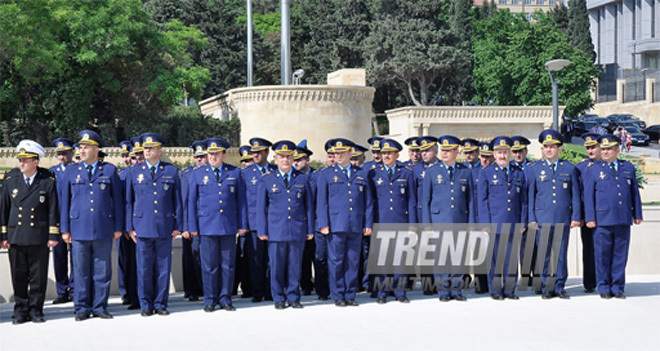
[[127, 269], [218, 255], [61, 260], [611, 246], [154, 265], [505, 279], [343, 263], [321, 280], [256, 251], [365, 281], [92, 274], [285, 269], [562, 262]]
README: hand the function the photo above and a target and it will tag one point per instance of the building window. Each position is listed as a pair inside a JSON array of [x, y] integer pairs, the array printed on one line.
[[653, 19], [515, 2], [528, 2], [552, 2], [634, 19], [540, 2], [502, 2]]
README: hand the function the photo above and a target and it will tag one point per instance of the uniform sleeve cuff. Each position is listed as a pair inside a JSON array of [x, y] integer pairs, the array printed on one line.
[[54, 230]]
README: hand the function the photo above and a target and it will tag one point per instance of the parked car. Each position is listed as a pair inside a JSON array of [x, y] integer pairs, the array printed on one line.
[[605, 123], [638, 138], [653, 132], [589, 117], [617, 119], [582, 127]]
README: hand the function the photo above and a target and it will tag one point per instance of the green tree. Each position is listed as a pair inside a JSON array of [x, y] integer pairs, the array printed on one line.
[[559, 15], [510, 54], [579, 34]]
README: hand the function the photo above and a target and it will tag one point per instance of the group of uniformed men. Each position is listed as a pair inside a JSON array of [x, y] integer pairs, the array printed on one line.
[[289, 217]]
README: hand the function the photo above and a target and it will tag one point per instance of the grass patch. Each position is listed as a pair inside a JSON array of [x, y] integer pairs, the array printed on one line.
[[652, 203]]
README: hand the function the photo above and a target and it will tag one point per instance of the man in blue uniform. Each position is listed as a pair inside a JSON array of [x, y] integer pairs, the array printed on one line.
[[447, 198], [554, 201], [29, 221], [344, 213], [301, 162], [91, 218], [471, 153], [285, 217], [611, 204], [374, 146], [256, 249], [127, 267], [217, 212], [358, 157], [519, 151], [61, 258], [396, 201], [154, 217], [485, 159], [242, 270], [138, 150], [586, 233], [414, 154], [190, 261], [246, 156], [502, 199]]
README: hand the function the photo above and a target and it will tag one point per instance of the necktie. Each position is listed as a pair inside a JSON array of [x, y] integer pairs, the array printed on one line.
[[89, 172], [217, 174], [153, 171], [27, 181], [451, 173], [390, 172], [506, 174], [286, 180], [613, 168], [346, 172], [552, 166], [263, 170]]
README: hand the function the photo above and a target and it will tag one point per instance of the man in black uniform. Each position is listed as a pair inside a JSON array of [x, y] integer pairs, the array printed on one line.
[[29, 221]]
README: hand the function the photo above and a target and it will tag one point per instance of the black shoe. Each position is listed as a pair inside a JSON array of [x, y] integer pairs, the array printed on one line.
[[323, 297], [564, 295], [538, 292], [512, 296], [280, 305], [62, 299], [606, 296], [163, 312], [306, 292], [480, 292], [246, 295], [103, 315], [134, 307], [38, 318], [81, 316], [373, 295], [620, 296], [20, 319], [428, 292], [340, 303], [497, 296], [257, 299], [193, 298], [296, 304], [228, 307], [589, 290], [352, 303], [444, 298], [147, 313], [547, 295], [125, 300], [209, 308], [403, 299], [459, 297], [381, 300]]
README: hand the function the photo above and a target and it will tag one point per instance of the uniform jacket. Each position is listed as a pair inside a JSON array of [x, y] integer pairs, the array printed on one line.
[[611, 199], [216, 207], [553, 198], [29, 215], [344, 205], [395, 199], [285, 213], [445, 199], [250, 177], [500, 201], [93, 209]]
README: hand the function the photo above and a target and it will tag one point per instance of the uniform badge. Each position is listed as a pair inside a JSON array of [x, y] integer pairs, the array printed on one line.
[[140, 178], [299, 194], [542, 176], [42, 199], [205, 179], [629, 182], [335, 178], [379, 181], [361, 187], [14, 193], [423, 174], [403, 190], [517, 189], [102, 186], [439, 178], [565, 185], [601, 175], [463, 188], [78, 179], [231, 188], [166, 186], [254, 180]]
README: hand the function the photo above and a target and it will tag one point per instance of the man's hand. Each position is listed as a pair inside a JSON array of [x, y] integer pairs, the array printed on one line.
[[133, 235], [52, 243], [175, 233], [310, 236], [66, 237], [186, 235], [638, 221], [325, 230], [242, 231], [367, 231], [575, 224], [194, 233], [4, 244], [263, 237], [591, 224], [118, 234]]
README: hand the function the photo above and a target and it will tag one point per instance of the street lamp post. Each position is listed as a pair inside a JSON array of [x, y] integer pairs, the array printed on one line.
[[555, 66]]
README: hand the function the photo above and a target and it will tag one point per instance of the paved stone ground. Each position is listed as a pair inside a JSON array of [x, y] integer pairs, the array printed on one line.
[[584, 322]]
